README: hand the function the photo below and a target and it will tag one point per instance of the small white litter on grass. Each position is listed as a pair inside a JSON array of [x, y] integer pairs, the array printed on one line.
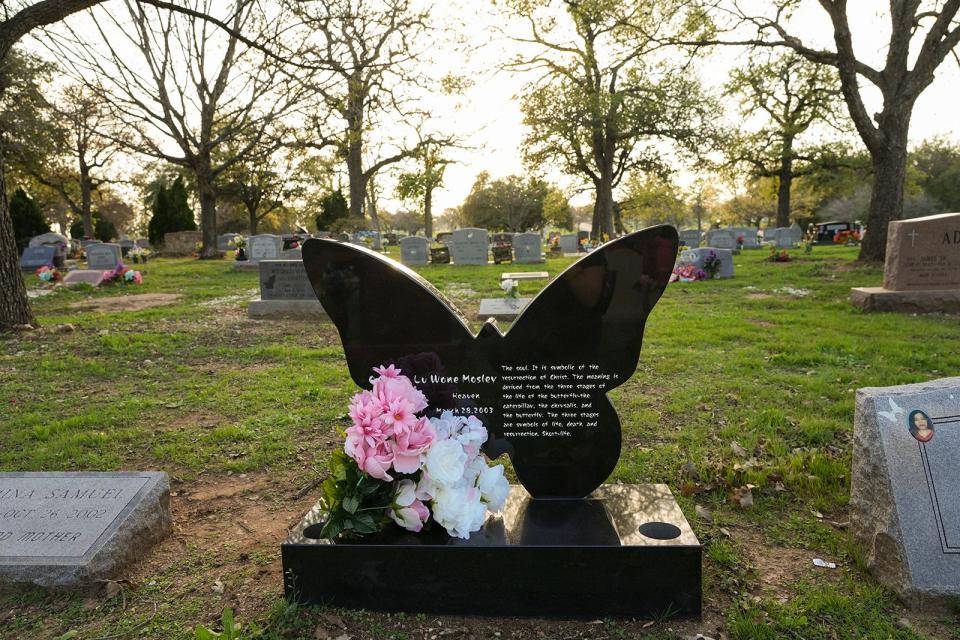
[[790, 291], [824, 564], [226, 300]]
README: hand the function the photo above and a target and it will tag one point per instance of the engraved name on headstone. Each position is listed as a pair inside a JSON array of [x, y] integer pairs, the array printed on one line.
[[284, 280], [923, 253], [65, 528]]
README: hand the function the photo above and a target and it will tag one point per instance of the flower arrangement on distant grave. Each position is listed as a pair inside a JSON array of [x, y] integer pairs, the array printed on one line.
[[139, 254], [849, 237], [49, 275], [711, 264], [399, 465], [688, 273], [511, 288], [122, 275], [238, 242], [779, 256]]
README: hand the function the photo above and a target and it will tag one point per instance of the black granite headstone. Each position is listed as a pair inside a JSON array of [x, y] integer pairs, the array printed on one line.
[[540, 388], [565, 545]]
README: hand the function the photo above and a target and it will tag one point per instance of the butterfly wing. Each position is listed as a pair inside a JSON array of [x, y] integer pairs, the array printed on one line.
[[387, 314], [582, 334]]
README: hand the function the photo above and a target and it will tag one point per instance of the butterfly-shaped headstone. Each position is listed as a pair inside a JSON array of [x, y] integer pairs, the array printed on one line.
[[541, 387]]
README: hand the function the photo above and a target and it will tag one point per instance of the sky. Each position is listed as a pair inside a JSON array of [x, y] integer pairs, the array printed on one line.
[[487, 115]]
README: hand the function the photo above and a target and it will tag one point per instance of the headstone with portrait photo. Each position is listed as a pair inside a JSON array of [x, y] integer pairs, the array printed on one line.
[[905, 489]]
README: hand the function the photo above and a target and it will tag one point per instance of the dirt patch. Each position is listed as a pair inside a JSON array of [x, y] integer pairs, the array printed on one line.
[[779, 568], [758, 296], [136, 302], [761, 323]]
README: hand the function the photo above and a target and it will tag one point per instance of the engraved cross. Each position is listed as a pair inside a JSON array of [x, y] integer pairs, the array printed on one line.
[[913, 237]]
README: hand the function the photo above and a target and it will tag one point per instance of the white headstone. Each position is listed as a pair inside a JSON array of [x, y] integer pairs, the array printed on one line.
[[103, 256], [698, 257], [264, 246]]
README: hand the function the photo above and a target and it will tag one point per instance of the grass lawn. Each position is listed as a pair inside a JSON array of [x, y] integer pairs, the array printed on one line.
[[747, 381]]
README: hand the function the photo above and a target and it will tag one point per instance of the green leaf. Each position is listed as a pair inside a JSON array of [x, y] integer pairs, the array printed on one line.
[[351, 504]]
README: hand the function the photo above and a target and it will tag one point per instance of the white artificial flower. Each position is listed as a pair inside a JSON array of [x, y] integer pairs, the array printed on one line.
[[508, 284], [472, 435], [459, 510], [471, 473], [494, 487], [445, 462], [445, 426], [405, 493], [426, 488]]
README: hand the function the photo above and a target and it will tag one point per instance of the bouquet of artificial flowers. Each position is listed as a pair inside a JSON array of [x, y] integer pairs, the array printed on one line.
[[398, 464]]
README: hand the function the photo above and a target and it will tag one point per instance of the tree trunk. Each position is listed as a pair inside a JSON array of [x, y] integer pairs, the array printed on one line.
[[358, 187], [86, 209], [374, 218], [618, 219], [428, 213], [886, 199], [603, 209], [208, 213], [783, 191], [254, 221], [14, 304]]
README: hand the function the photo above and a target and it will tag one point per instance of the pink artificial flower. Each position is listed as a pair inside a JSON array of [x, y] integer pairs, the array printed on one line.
[[406, 510], [137, 277], [365, 407], [399, 415], [391, 385], [409, 443], [377, 461]]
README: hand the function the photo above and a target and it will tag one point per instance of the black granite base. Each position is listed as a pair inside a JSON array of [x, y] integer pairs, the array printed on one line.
[[626, 550]]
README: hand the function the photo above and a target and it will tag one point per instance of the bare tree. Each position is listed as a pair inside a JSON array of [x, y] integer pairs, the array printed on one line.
[[370, 48], [922, 34], [195, 86]]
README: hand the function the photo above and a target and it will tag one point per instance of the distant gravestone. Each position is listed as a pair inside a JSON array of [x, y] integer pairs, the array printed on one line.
[[60, 244], [291, 254], [527, 248], [690, 238], [264, 247], [785, 238], [922, 268], [35, 257], [103, 256], [414, 251], [469, 246], [143, 243], [721, 239], [181, 243], [84, 276], [749, 235], [697, 257], [905, 489], [569, 243], [61, 529], [503, 309], [285, 292], [525, 275]]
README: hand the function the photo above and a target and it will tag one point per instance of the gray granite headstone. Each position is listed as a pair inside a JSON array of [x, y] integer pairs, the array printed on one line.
[[721, 239], [284, 280], [905, 488], [749, 235], [264, 247], [291, 254], [527, 248], [35, 257], [569, 243], [690, 238], [103, 256], [66, 529], [697, 257], [84, 276], [414, 251], [469, 246]]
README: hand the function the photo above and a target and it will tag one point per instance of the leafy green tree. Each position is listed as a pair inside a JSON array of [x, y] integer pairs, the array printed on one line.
[[103, 229], [556, 209], [333, 208], [653, 200], [605, 96], [937, 164], [171, 212], [418, 186], [793, 94], [27, 218], [508, 204]]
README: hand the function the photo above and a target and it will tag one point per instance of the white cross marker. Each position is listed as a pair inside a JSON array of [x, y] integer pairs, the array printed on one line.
[[913, 237]]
